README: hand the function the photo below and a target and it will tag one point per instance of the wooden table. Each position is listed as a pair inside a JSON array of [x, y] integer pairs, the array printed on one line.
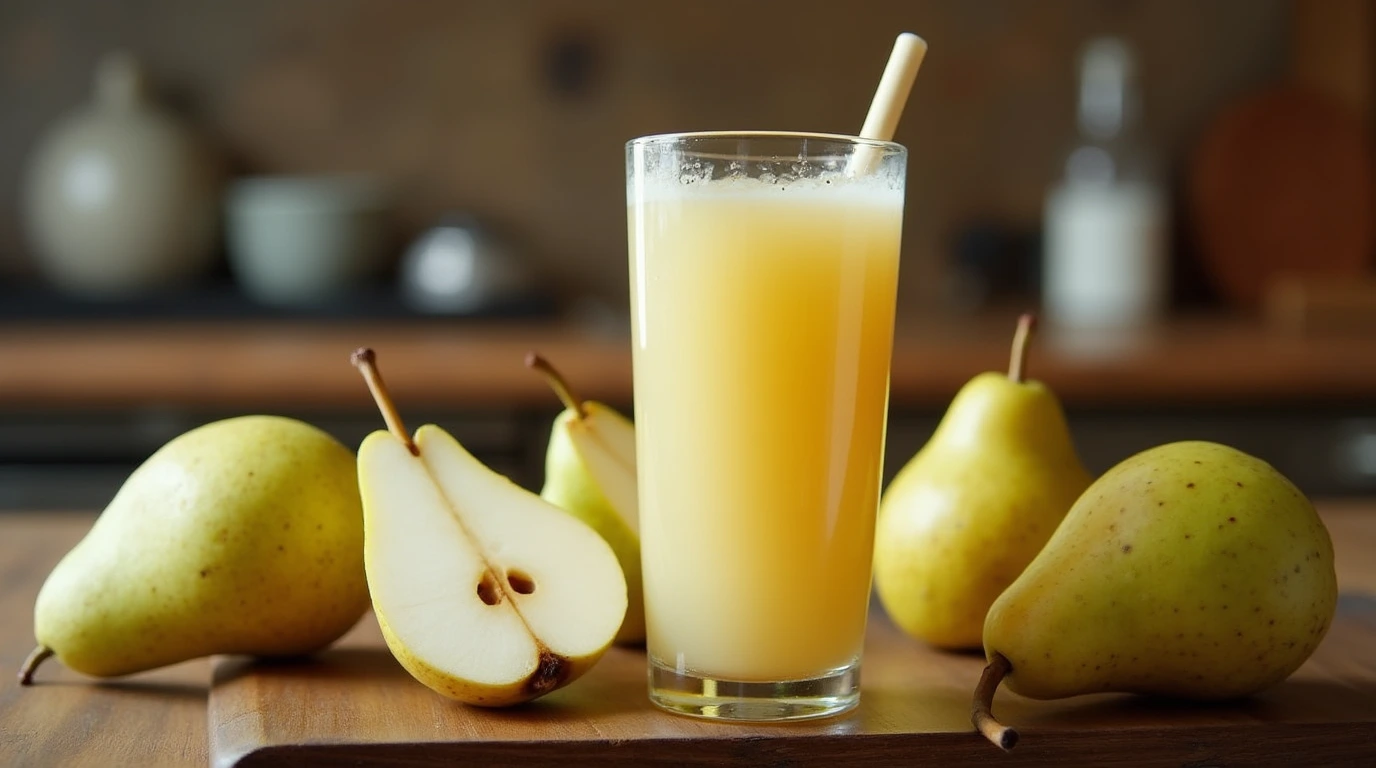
[[355, 704], [154, 719]]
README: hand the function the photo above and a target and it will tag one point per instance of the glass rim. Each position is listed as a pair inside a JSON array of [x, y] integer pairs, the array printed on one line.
[[839, 138]]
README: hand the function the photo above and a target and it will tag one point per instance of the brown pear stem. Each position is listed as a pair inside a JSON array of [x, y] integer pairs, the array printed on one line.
[[1017, 365], [557, 382], [39, 655], [365, 361], [980, 709]]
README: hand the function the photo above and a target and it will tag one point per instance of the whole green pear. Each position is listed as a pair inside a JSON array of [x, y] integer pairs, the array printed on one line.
[[239, 536], [1190, 570], [975, 505]]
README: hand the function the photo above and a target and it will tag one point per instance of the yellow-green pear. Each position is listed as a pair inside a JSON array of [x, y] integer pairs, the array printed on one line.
[[1190, 570], [242, 536], [485, 592], [966, 514], [590, 473]]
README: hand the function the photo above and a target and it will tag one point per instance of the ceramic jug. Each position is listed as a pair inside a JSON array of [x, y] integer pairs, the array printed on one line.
[[121, 197]]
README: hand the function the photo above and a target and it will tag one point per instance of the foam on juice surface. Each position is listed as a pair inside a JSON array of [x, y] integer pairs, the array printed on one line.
[[669, 176]]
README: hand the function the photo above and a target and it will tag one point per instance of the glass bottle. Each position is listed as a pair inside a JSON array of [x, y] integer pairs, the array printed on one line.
[[1105, 263]]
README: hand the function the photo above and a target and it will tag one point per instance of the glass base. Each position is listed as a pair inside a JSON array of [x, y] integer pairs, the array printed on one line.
[[687, 694]]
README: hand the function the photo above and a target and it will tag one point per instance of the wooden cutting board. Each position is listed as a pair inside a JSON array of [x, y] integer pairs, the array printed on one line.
[[355, 705]]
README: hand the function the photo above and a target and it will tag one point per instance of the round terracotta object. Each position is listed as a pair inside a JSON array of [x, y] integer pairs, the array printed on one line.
[[1281, 185]]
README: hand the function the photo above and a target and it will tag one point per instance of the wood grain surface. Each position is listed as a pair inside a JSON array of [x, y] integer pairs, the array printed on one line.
[[279, 366], [65, 719], [355, 705]]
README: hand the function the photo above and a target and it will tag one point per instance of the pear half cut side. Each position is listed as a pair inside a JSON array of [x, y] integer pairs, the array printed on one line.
[[590, 472], [608, 450], [484, 592]]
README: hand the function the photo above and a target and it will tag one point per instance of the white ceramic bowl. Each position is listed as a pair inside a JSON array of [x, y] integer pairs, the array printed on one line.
[[297, 240]]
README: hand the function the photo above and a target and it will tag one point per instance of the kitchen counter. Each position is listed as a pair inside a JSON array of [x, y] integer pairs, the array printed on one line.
[[289, 365], [82, 403], [160, 718]]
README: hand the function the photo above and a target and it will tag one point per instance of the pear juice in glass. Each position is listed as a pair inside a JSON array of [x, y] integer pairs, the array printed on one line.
[[763, 270]]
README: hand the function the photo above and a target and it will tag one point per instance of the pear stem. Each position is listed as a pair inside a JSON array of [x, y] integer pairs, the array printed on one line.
[[39, 655], [980, 709], [365, 361], [557, 382], [1017, 365]]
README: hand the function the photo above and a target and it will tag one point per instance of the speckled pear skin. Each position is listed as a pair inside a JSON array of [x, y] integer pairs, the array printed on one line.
[[1191, 570], [240, 536], [965, 516]]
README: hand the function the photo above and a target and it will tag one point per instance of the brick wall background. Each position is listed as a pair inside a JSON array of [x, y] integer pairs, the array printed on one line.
[[518, 110]]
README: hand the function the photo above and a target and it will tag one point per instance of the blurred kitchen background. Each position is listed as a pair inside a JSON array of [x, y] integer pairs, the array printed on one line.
[[204, 206]]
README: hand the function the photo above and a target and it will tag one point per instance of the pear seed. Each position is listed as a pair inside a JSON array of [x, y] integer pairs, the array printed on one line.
[[488, 591], [520, 582]]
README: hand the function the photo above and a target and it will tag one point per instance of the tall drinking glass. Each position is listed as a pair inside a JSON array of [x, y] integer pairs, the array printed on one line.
[[763, 277]]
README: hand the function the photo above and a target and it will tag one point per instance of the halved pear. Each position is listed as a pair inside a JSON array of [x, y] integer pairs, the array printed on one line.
[[484, 592], [590, 472]]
